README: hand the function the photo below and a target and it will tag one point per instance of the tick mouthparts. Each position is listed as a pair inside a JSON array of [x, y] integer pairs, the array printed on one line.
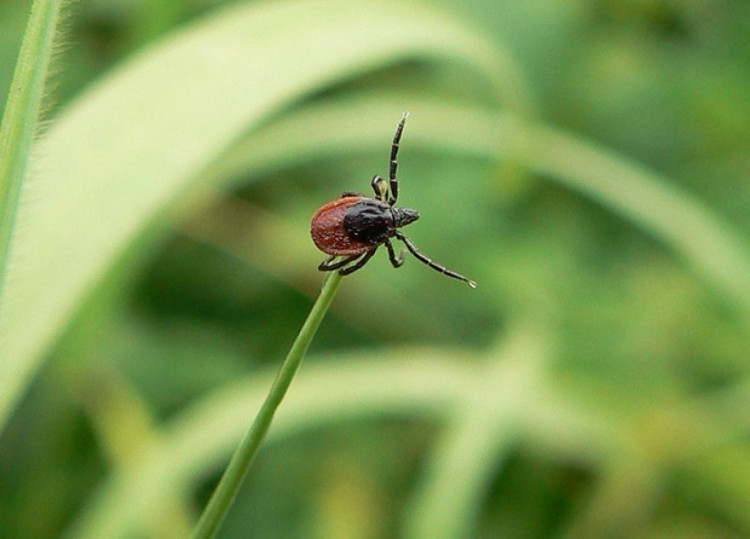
[[404, 216]]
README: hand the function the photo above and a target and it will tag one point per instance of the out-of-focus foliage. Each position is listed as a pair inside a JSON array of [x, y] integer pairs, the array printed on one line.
[[585, 162]]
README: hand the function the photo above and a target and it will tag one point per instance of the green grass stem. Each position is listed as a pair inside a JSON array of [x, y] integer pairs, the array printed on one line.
[[22, 113], [223, 497]]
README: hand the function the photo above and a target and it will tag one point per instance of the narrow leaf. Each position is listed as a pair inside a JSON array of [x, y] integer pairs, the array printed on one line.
[[21, 114]]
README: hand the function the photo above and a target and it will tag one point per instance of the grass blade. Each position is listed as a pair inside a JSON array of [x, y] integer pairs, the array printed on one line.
[[128, 151], [21, 114], [647, 199], [235, 473]]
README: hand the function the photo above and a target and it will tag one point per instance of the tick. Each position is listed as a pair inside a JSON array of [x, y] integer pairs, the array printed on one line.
[[354, 226]]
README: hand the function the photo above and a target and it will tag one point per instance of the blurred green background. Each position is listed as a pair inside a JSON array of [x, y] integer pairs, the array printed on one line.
[[586, 162]]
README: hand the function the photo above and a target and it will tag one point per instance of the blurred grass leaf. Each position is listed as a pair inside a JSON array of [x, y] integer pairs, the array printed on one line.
[[648, 200], [431, 384], [125, 154], [480, 433], [362, 385]]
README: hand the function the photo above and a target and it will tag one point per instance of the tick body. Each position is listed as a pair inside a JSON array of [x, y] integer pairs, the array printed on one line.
[[354, 226]]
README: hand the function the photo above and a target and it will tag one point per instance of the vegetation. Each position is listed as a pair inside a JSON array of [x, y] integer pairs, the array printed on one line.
[[585, 162]]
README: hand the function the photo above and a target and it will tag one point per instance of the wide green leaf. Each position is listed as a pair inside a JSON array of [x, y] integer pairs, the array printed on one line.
[[129, 150]]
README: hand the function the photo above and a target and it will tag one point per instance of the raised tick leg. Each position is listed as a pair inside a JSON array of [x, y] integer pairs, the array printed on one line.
[[327, 265], [434, 265], [379, 187], [394, 162], [359, 264], [396, 261]]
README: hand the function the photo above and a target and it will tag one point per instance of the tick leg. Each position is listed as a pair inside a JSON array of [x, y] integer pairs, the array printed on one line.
[[359, 264], [434, 265], [394, 162], [326, 265], [397, 261], [380, 187]]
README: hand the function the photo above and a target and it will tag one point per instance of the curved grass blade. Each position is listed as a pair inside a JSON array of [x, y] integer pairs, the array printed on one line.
[[649, 200], [201, 438], [127, 152]]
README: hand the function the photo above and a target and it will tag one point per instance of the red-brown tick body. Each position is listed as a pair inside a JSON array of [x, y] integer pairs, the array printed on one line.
[[328, 232], [354, 226]]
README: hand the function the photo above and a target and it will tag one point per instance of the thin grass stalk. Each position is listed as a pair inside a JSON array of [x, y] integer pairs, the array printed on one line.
[[235, 473]]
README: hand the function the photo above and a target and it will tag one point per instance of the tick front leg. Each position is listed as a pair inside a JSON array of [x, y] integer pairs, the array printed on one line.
[[394, 160], [380, 187]]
